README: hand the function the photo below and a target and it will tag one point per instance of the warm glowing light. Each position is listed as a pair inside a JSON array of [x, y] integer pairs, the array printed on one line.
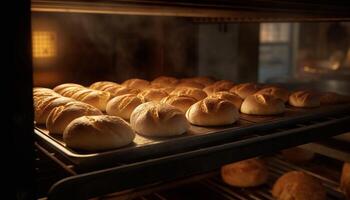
[[44, 44]]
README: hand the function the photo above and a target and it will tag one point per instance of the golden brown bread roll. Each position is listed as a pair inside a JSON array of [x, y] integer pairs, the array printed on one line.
[[158, 119], [231, 97], [39, 104], [262, 104], [245, 89], [166, 89], [192, 92], [123, 105], [63, 86], [95, 98], [136, 83], [297, 185], [103, 85], [40, 91], [277, 92], [212, 112], [165, 81], [345, 180], [246, 173], [297, 155], [304, 99], [96, 133], [330, 98], [45, 108], [113, 88], [218, 86], [70, 91], [180, 102], [61, 116], [204, 80], [153, 95], [190, 85]]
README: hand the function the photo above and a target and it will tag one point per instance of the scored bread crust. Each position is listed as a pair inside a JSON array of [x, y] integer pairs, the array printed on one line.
[[304, 99], [262, 104], [122, 106]]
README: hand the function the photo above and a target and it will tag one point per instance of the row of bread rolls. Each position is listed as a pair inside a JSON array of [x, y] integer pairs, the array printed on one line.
[[293, 185], [81, 125]]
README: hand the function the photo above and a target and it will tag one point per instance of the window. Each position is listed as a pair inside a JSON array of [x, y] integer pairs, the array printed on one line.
[[44, 44]]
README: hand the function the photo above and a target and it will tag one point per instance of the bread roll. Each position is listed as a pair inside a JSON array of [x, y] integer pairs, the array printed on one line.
[[103, 85], [246, 173], [345, 180], [218, 86], [277, 92], [61, 116], [245, 89], [297, 185], [122, 106], [166, 89], [136, 83], [304, 99], [190, 85], [231, 97], [262, 104], [95, 98], [70, 91], [45, 109], [96, 133], [330, 98], [204, 80], [39, 92], [153, 95], [212, 112], [192, 92], [165, 81], [180, 102], [297, 155], [158, 119], [61, 87], [39, 104]]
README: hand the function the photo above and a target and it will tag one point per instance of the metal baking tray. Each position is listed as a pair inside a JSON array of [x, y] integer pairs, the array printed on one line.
[[147, 148]]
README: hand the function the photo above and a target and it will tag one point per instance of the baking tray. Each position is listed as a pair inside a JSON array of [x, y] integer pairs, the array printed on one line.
[[147, 148]]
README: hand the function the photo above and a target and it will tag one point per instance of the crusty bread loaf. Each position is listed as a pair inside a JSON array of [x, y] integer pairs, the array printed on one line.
[[297, 155], [39, 104], [262, 104], [153, 95], [61, 116], [304, 99], [43, 110], [330, 98], [40, 92], [103, 85], [277, 92], [218, 86], [245, 89], [192, 92], [96, 133], [246, 173], [231, 97], [63, 86], [113, 88], [190, 85], [123, 105], [165, 81], [345, 180], [158, 119], [136, 83], [180, 102], [157, 87], [297, 185], [70, 91], [204, 80], [95, 98], [212, 112]]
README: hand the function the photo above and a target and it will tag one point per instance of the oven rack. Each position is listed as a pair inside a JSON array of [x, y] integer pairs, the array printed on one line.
[[198, 161]]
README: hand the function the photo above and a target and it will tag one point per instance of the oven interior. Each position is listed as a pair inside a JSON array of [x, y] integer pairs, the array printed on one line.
[[78, 45]]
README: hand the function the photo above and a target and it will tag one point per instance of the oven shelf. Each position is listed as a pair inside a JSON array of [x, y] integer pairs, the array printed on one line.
[[201, 160]]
